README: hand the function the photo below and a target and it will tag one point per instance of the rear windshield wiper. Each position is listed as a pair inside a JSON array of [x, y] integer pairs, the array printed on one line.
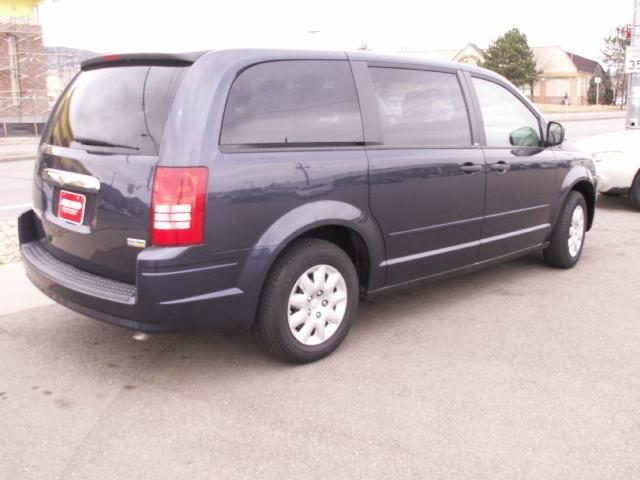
[[99, 143]]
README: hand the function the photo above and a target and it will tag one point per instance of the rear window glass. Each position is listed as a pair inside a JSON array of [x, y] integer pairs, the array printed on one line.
[[289, 103], [121, 108], [420, 107]]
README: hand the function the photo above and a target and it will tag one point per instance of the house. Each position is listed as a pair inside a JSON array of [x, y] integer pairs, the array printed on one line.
[[560, 72], [471, 54]]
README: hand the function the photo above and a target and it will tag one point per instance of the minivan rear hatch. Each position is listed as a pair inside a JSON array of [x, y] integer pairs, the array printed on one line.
[[96, 163]]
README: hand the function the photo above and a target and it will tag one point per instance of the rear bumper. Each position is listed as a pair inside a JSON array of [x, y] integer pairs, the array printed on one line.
[[162, 299]]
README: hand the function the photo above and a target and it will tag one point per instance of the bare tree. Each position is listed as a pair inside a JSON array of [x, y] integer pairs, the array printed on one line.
[[613, 53]]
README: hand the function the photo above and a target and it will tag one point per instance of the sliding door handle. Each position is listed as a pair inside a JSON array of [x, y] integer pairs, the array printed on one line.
[[471, 167], [500, 166]]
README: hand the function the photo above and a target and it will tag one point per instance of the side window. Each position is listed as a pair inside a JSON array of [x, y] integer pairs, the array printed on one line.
[[507, 121], [419, 107], [289, 103]]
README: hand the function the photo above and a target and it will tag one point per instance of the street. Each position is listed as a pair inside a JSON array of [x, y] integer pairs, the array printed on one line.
[[15, 194], [579, 129], [514, 372]]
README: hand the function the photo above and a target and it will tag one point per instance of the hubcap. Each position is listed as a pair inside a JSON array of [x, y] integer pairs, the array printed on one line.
[[576, 231], [317, 305]]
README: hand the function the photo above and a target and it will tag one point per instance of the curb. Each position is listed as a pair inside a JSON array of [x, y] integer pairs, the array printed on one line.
[[583, 117], [16, 158]]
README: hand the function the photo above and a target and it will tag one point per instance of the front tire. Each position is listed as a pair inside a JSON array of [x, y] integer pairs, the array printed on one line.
[[308, 302], [567, 239]]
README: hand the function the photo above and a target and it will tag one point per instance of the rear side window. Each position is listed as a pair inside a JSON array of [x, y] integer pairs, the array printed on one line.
[[293, 103], [420, 107], [123, 109]]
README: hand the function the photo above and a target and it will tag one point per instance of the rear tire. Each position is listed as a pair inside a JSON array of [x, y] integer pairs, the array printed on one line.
[[634, 193], [302, 316], [567, 239]]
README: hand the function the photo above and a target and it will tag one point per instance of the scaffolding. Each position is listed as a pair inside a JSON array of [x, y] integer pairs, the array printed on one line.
[[31, 76]]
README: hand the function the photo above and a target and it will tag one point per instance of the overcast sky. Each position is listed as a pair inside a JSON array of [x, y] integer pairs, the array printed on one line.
[[183, 25]]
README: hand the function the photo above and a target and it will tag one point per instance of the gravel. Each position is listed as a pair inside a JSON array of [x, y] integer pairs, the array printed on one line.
[[9, 251]]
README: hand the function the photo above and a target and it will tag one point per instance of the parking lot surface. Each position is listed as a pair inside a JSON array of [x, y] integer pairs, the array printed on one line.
[[518, 371]]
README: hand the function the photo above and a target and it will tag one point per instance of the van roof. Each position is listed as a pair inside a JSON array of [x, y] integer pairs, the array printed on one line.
[[260, 55]]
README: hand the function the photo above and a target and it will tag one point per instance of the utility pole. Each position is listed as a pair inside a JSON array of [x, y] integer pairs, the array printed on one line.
[[632, 68]]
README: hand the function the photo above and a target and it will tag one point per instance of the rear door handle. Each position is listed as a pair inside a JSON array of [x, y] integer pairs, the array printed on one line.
[[500, 166], [471, 167]]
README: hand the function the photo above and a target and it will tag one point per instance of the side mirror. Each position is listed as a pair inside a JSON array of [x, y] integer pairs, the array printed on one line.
[[524, 137], [555, 134]]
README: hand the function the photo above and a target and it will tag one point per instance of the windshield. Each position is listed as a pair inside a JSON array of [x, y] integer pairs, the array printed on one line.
[[121, 108]]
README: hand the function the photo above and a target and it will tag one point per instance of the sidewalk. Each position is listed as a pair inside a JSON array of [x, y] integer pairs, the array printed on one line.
[[18, 292], [18, 148]]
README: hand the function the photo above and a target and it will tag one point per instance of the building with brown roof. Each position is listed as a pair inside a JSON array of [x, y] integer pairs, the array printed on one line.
[[563, 75]]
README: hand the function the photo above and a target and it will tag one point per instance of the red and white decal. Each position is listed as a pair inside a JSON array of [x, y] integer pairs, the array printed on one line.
[[71, 207]]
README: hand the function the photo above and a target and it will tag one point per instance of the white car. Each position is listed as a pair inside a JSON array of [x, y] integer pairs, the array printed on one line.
[[617, 159]]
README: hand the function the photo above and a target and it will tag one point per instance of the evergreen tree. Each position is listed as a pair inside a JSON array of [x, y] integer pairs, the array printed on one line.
[[591, 93], [510, 56], [607, 87]]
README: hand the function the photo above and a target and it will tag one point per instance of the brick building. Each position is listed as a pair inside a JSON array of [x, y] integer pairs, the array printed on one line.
[[23, 68], [23, 72]]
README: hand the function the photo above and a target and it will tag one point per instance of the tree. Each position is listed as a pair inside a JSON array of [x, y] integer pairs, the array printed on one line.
[[364, 46], [591, 93], [607, 87], [510, 56], [615, 47]]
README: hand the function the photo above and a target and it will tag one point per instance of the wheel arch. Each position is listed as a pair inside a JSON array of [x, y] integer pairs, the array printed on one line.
[[587, 190], [347, 226], [579, 179]]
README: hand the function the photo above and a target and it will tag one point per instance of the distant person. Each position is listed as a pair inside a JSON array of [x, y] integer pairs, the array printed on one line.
[[565, 100]]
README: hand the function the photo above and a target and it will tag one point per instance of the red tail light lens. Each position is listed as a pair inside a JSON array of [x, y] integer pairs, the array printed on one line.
[[178, 205]]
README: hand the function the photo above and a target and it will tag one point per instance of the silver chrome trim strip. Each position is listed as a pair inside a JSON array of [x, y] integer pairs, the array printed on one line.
[[438, 226], [468, 220], [461, 246], [63, 178], [515, 233], [513, 212]]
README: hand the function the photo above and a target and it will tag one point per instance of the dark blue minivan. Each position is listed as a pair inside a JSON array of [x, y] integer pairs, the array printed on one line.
[[273, 189]]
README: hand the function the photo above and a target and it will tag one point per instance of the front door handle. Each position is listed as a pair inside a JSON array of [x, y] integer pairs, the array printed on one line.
[[500, 166], [471, 167]]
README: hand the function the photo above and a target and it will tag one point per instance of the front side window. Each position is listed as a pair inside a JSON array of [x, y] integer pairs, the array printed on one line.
[[290, 103], [507, 121], [419, 107]]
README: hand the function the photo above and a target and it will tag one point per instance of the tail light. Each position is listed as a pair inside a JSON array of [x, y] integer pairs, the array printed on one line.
[[178, 205]]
